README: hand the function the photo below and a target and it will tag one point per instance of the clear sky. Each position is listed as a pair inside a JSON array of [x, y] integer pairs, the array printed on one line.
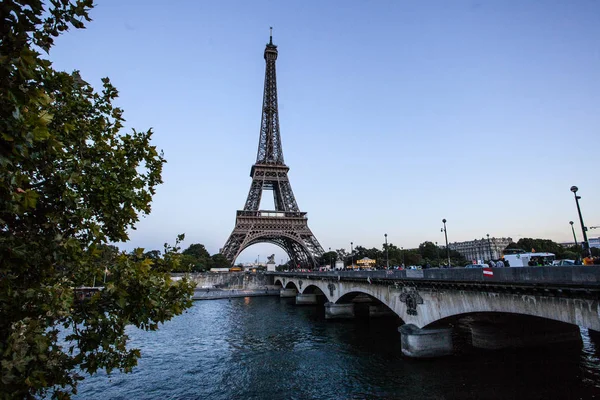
[[394, 114]]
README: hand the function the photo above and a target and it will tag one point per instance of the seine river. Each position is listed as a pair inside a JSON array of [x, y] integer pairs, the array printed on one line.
[[268, 348]]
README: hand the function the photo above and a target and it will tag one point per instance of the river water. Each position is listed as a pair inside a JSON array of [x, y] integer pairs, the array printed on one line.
[[269, 348]]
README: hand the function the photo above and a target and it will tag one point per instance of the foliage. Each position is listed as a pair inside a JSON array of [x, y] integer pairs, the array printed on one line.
[[197, 251], [328, 258], [545, 245], [70, 183], [218, 260], [427, 254], [197, 259]]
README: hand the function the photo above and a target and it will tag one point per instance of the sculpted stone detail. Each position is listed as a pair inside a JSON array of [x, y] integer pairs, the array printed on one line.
[[331, 288], [411, 297], [300, 284]]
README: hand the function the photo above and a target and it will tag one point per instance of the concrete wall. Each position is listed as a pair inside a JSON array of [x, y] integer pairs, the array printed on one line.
[[231, 280]]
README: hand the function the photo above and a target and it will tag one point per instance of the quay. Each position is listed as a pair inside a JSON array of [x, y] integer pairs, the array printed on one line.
[[215, 294]]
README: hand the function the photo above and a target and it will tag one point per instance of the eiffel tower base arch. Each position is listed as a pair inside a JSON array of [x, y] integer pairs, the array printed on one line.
[[290, 232]]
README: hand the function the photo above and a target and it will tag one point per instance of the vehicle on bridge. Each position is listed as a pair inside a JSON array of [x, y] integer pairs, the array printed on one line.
[[529, 259], [476, 266], [563, 262]]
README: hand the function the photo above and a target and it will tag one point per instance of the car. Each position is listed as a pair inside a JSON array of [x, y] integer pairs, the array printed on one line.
[[563, 262], [476, 266]]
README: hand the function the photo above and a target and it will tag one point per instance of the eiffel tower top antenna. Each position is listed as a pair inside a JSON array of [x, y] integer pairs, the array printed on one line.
[[269, 145]]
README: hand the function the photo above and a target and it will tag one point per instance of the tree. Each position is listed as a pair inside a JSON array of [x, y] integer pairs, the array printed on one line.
[[328, 258], [342, 254], [429, 250], [197, 250], [218, 260], [70, 183], [197, 258]]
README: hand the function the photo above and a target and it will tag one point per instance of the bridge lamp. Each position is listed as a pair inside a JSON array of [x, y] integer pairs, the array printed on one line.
[[352, 255], [489, 245], [446, 236], [387, 259], [586, 245], [330, 264], [573, 230]]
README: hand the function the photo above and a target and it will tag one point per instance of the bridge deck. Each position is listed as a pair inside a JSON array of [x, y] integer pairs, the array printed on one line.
[[571, 278]]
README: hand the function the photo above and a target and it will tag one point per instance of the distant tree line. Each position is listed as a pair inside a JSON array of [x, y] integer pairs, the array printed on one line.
[[426, 255], [430, 255], [195, 259], [548, 246]]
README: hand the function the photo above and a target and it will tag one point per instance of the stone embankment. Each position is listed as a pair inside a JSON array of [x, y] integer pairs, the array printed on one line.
[[224, 285], [214, 294]]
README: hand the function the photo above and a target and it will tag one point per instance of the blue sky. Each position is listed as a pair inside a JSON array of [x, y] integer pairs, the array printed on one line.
[[394, 114]]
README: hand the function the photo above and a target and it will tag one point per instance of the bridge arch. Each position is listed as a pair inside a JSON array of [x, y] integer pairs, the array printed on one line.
[[314, 289]]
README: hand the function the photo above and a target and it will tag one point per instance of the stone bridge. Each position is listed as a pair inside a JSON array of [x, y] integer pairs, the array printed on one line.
[[499, 307]]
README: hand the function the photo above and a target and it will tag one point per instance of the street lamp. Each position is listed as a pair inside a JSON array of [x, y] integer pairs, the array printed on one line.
[[586, 245], [489, 246], [573, 230], [575, 238], [437, 254], [402, 255], [352, 255], [387, 259], [446, 236], [330, 262]]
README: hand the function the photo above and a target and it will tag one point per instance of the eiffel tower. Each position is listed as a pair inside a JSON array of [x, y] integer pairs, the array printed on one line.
[[286, 226]]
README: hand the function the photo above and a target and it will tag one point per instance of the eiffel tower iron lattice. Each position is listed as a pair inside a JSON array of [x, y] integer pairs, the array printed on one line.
[[286, 226]]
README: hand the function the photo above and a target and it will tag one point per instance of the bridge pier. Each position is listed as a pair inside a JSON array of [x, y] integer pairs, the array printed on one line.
[[339, 311], [306, 299], [288, 293], [492, 336], [425, 343]]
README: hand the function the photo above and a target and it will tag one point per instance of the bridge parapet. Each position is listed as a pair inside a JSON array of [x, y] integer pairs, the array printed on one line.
[[572, 276]]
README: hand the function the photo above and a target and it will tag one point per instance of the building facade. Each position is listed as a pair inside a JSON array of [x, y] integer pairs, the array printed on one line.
[[481, 249]]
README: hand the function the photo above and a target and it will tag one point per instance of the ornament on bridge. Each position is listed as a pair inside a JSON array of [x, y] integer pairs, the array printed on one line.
[[300, 284], [411, 297], [331, 288]]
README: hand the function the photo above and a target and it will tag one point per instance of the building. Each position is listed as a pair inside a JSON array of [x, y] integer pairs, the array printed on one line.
[[481, 249]]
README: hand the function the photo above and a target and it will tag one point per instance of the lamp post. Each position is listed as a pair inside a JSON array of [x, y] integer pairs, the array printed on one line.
[[402, 255], [575, 239], [489, 246], [352, 255], [330, 263], [446, 236], [437, 254], [586, 245], [573, 230], [387, 259]]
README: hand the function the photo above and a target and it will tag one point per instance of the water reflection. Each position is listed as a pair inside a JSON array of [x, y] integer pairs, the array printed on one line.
[[268, 348]]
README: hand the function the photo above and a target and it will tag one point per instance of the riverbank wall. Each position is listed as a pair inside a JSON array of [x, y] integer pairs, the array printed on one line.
[[231, 280], [214, 294]]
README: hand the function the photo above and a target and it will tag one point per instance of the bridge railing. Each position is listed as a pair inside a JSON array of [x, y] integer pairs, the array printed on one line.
[[580, 276]]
